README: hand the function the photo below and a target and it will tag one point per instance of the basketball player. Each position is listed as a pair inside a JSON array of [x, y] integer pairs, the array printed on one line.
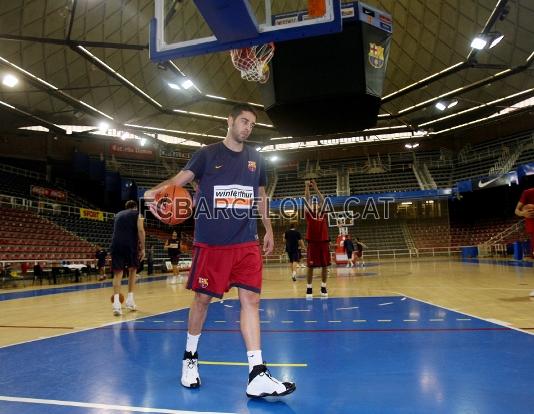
[[348, 245], [173, 247], [101, 255], [127, 251], [226, 250], [318, 253], [524, 209], [294, 244], [358, 253]]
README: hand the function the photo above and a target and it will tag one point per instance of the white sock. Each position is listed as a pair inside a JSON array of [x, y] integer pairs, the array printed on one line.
[[323, 284], [192, 343], [116, 300], [309, 286], [130, 296], [254, 358]]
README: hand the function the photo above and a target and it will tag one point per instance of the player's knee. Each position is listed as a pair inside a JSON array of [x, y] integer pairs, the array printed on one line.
[[202, 300], [249, 298]]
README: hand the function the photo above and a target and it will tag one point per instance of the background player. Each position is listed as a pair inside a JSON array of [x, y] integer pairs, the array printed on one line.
[[294, 244], [127, 250], [525, 208], [318, 253], [226, 253], [348, 245], [173, 248], [358, 253]]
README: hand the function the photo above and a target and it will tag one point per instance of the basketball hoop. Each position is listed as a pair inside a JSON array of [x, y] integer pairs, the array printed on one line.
[[253, 62]]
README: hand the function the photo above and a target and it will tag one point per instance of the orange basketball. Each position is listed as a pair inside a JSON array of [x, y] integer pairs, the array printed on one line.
[[121, 298], [172, 205]]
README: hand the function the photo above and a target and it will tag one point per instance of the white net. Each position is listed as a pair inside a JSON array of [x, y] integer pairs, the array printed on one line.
[[253, 62]]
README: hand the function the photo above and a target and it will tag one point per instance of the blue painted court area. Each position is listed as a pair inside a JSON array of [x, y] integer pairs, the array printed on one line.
[[504, 262], [346, 355]]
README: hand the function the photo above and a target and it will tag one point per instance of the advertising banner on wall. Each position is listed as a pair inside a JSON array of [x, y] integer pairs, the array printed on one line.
[[91, 214], [48, 193]]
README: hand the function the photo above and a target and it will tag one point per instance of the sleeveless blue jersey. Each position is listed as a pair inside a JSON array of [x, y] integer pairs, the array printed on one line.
[[228, 184]]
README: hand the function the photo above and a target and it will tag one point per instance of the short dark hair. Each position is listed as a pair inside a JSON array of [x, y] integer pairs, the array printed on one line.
[[131, 204], [237, 109]]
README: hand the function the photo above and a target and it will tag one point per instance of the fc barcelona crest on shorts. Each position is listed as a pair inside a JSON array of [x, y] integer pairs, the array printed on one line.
[[203, 282], [252, 166], [376, 55]]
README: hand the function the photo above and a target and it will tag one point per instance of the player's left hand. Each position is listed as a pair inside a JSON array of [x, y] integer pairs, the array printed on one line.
[[268, 243]]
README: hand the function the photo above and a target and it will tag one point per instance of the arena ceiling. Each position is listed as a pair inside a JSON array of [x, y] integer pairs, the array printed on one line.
[[81, 62]]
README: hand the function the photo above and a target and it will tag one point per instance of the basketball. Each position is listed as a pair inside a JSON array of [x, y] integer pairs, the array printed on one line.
[[121, 298], [172, 205]]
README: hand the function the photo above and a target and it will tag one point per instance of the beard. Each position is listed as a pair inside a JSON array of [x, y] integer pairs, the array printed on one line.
[[238, 136]]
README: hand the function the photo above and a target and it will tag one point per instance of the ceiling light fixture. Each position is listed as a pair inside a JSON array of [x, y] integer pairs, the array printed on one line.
[[174, 86], [486, 40], [187, 84], [446, 104], [9, 80]]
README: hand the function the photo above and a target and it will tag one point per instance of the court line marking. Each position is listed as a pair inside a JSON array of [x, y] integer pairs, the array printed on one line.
[[37, 327], [105, 325], [352, 307], [511, 327], [410, 320], [68, 288], [384, 304], [113, 407], [299, 310], [242, 364]]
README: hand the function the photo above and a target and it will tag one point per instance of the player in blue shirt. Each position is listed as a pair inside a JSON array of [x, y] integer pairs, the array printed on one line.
[[231, 187], [127, 251]]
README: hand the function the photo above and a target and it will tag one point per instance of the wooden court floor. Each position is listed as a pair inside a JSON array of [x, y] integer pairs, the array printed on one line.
[[494, 291]]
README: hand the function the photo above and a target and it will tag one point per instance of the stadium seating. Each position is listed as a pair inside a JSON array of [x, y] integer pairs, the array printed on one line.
[[26, 236]]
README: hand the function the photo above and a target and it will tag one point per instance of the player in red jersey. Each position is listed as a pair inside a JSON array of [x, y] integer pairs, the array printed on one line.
[[318, 252], [525, 208]]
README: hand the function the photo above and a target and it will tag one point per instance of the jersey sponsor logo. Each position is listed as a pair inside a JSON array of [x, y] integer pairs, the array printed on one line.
[[252, 166], [218, 166], [233, 196]]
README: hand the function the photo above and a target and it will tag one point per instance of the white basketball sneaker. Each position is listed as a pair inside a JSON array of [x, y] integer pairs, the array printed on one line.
[[130, 304], [324, 292], [262, 384], [117, 310], [309, 293], [190, 377]]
